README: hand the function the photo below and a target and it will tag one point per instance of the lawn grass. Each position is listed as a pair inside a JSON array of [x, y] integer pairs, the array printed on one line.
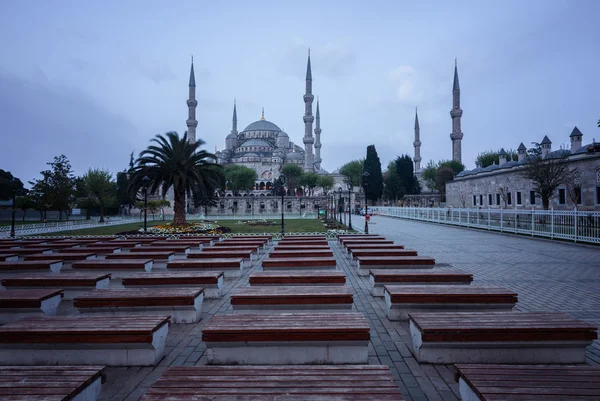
[[291, 226]]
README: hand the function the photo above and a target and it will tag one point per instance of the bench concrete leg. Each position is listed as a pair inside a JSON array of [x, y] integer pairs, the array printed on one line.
[[55, 267], [124, 354], [287, 353], [179, 314], [91, 392], [47, 307], [510, 352], [466, 393]]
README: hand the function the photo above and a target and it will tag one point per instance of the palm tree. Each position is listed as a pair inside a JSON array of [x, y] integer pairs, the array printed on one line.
[[99, 186], [174, 162]]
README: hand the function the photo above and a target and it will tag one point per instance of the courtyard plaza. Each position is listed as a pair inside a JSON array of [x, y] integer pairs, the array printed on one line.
[[548, 276]]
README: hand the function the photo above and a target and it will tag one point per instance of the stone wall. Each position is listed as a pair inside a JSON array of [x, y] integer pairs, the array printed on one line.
[[506, 188]]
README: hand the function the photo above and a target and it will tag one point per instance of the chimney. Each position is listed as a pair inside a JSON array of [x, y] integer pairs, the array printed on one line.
[[502, 156]]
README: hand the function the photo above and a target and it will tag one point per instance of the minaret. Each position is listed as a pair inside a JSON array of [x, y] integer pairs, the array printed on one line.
[[234, 121], [308, 121], [318, 139], [191, 122], [456, 114], [417, 143]]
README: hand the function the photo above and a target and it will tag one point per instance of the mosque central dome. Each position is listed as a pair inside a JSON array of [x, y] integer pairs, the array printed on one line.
[[262, 125]]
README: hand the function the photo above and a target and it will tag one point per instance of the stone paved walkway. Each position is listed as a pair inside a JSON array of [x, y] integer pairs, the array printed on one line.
[[547, 275]]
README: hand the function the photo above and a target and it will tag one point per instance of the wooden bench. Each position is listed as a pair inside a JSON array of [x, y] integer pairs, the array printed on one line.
[[243, 248], [9, 257], [212, 282], [97, 250], [287, 339], [377, 242], [306, 241], [291, 299], [351, 247], [382, 252], [365, 263], [31, 251], [73, 284], [193, 244], [184, 304], [500, 337], [528, 382], [159, 258], [380, 278], [269, 383], [31, 266], [299, 263], [231, 267], [317, 253], [400, 300], [17, 304], [55, 383], [115, 267], [303, 237], [175, 248], [237, 245], [120, 244], [65, 257], [218, 253], [84, 340], [142, 241], [361, 238], [292, 247], [303, 277]]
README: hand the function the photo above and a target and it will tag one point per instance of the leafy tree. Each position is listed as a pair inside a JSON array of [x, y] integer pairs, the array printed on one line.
[[310, 181], [326, 183], [240, 178], [373, 182], [98, 183], [442, 176], [25, 203], [40, 193], [546, 173], [124, 196], [57, 186], [293, 173], [10, 186], [489, 157], [454, 165], [174, 162], [393, 189], [83, 198], [405, 171], [428, 175], [353, 171]]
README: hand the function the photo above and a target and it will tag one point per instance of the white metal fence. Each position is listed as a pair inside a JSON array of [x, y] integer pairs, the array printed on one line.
[[577, 226], [56, 226], [244, 217]]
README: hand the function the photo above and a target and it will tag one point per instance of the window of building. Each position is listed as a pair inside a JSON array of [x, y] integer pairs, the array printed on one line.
[[474, 200], [480, 200], [561, 197], [289, 205], [597, 195], [532, 197], [490, 200], [302, 206], [518, 198], [235, 204], [498, 199], [509, 198], [262, 205], [222, 205]]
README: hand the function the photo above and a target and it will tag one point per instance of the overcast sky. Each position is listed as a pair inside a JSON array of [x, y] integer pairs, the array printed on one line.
[[96, 80]]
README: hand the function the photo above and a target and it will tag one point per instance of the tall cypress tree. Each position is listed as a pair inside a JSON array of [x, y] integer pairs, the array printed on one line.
[[374, 181], [405, 170]]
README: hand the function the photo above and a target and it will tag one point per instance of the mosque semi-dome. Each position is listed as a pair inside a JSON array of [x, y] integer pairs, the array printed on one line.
[[257, 142], [262, 125]]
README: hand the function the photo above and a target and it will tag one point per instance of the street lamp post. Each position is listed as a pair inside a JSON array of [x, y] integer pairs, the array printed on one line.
[[282, 181], [145, 180], [340, 207], [349, 205], [365, 184]]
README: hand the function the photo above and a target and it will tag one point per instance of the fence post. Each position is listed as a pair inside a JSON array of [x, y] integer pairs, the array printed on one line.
[[501, 221], [575, 224], [532, 222], [489, 217], [551, 223]]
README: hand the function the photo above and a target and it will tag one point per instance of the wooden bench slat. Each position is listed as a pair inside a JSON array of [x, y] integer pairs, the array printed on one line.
[[59, 280], [297, 277]]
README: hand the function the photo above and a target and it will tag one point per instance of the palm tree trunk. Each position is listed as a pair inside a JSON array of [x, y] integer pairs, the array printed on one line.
[[179, 206], [101, 213]]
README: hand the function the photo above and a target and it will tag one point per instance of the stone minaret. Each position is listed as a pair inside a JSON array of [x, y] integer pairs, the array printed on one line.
[[191, 122], [318, 139], [308, 121], [234, 121], [417, 143], [456, 114]]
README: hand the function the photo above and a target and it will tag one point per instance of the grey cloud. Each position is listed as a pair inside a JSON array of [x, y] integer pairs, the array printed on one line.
[[40, 121], [332, 60], [156, 71]]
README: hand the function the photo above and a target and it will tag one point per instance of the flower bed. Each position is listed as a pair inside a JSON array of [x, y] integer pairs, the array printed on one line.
[[192, 228], [258, 223]]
